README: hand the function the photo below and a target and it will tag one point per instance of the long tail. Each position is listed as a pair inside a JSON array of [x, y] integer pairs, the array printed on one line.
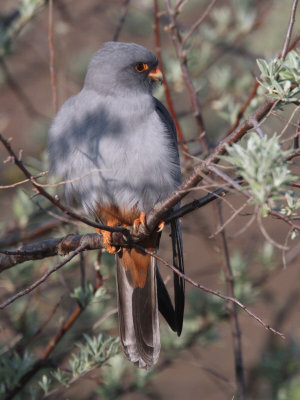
[[138, 316]]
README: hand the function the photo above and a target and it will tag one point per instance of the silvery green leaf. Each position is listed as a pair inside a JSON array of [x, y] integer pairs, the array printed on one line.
[[263, 66], [286, 75]]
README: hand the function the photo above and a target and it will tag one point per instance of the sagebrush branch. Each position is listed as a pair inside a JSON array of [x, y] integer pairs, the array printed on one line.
[[162, 208], [212, 291], [78, 243], [42, 360], [48, 248], [61, 246]]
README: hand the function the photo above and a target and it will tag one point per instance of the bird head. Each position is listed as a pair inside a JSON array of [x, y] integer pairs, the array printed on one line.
[[120, 68]]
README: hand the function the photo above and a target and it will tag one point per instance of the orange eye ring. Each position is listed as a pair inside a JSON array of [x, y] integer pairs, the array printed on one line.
[[141, 67]]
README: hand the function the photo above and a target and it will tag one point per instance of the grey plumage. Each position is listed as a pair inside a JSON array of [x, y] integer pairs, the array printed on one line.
[[118, 146], [138, 318], [112, 126]]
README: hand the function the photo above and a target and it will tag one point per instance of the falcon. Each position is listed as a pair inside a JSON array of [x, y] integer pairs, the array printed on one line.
[[116, 146]]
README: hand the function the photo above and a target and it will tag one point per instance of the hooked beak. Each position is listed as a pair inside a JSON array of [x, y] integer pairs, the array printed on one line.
[[156, 75]]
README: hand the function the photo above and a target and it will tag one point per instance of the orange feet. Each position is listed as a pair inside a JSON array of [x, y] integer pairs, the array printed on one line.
[[107, 242], [107, 238]]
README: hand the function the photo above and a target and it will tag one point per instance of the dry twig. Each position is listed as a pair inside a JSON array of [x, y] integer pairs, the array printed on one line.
[[233, 315], [42, 278]]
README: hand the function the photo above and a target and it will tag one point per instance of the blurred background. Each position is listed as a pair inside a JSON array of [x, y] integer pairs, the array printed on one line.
[[221, 58]]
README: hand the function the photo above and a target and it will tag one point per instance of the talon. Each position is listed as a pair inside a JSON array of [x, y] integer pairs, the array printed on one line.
[[161, 226], [138, 221]]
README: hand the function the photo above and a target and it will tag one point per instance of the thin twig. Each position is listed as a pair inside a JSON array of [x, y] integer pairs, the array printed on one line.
[[19, 92], [24, 235], [13, 185], [244, 228], [161, 209], [212, 291], [198, 22], [182, 57], [296, 140], [289, 122], [222, 226], [42, 278], [168, 97], [187, 208], [23, 345], [243, 107], [289, 30], [265, 233], [285, 219], [119, 27], [233, 315], [82, 270], [51, 53], [40, 363]]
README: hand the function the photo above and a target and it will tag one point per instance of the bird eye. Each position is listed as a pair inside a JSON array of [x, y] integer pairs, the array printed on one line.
[[141, 67]]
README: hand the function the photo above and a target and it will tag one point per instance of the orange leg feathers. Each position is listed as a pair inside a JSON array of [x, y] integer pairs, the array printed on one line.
[[133, 261]]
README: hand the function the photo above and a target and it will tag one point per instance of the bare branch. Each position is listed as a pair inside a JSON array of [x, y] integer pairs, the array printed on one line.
[[187, 208], [49, 248], [41, 361], [13, 185], [234, 321], [199, 21], [161, 209], [214, 292], [265, 233], [43, 278], [243, 107], [124, 12], [289, 30], [24, 235], [51, 52], [19, 92], [285, 219], [182, 57], [168, 97]]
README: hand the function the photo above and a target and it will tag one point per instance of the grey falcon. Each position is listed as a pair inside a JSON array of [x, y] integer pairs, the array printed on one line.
[[121, 141]]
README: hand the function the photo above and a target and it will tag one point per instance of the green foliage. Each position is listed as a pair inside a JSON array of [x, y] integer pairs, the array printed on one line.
[[12, 368], [266, 256], [84, 296], [292, 203], [261, 163], [243, 288], [23, 207], [45, 384], [281, 78], [220, 66], [113, 375], [93, 353]]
